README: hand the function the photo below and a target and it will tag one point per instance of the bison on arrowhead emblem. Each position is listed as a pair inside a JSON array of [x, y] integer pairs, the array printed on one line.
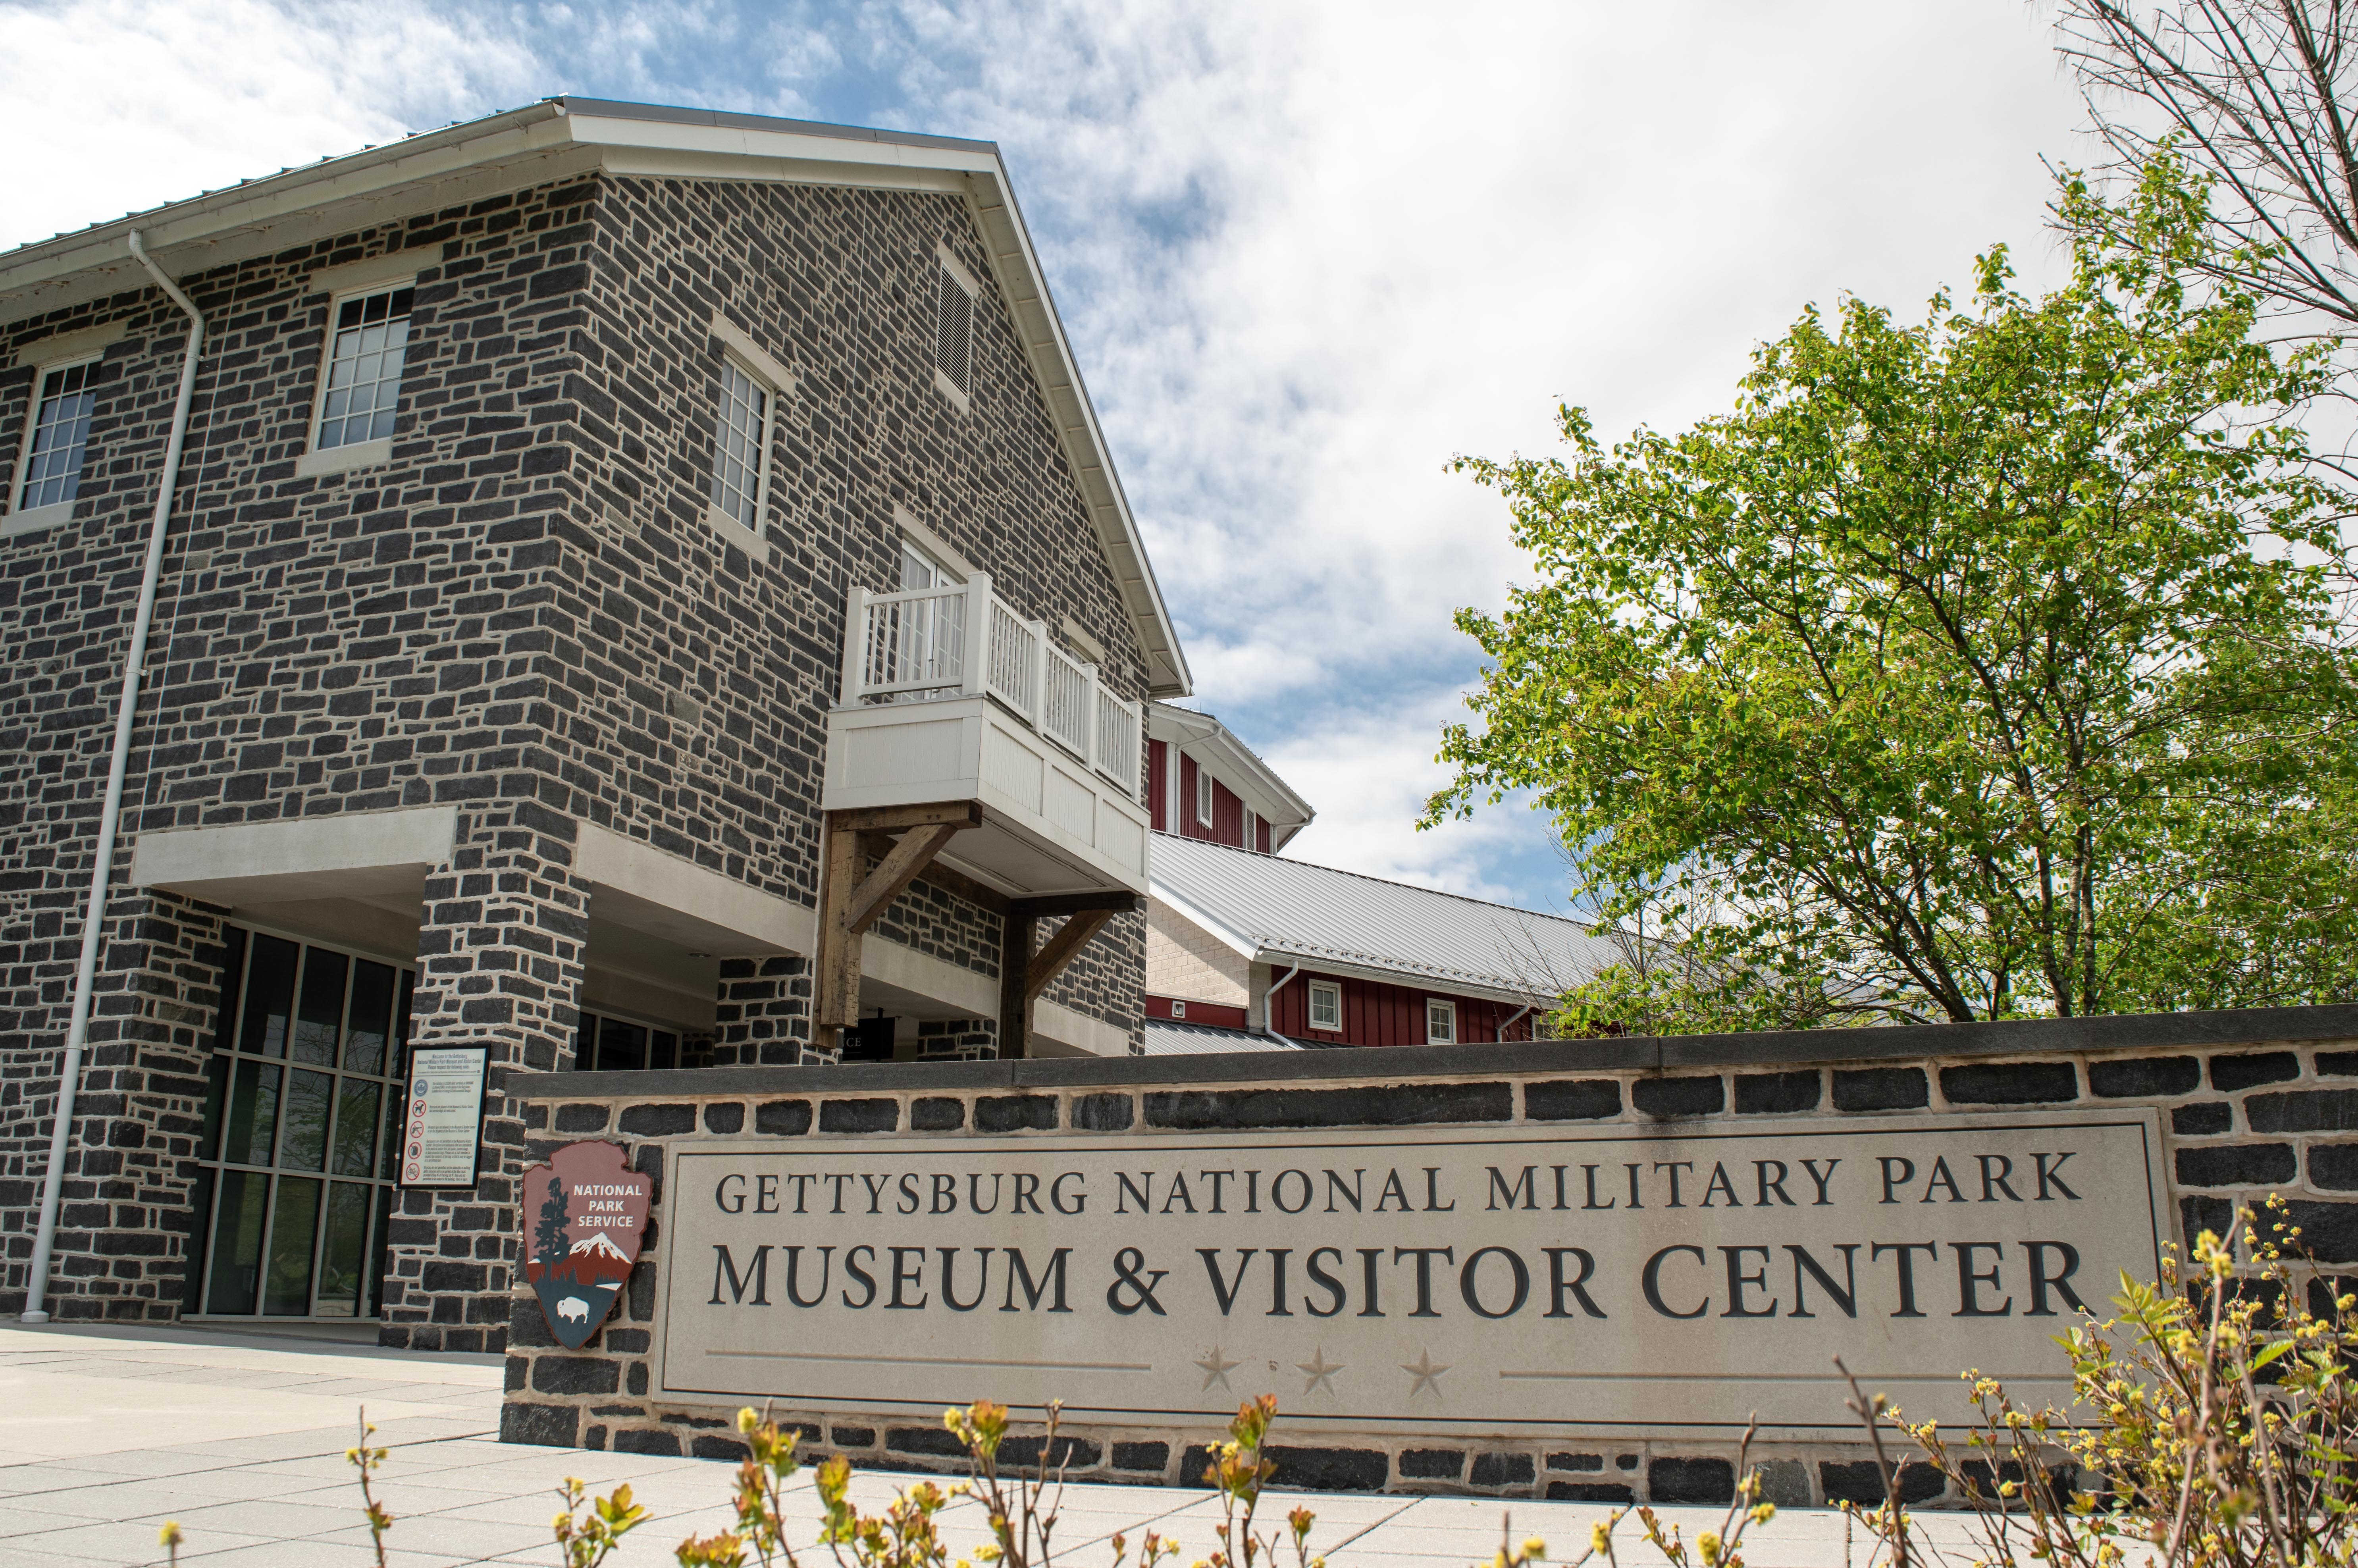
[[586, 1216]]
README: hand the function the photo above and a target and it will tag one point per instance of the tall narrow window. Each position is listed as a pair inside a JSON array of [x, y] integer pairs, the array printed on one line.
[[954, 331], [742, 448], [1203, 798], [57, 435], [364, 359]]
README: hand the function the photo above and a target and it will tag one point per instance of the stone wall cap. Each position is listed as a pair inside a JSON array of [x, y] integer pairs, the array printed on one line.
[[1687, 1052]]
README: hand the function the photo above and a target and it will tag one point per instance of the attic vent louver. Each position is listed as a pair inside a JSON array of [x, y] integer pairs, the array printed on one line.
[[954, 331]]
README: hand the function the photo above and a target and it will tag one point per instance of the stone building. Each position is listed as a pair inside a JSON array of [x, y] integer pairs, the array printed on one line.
[[647, 588]]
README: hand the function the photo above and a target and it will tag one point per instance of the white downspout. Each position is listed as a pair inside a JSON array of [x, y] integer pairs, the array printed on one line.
[[1265, 998], [1511, 1022], [111, 815]]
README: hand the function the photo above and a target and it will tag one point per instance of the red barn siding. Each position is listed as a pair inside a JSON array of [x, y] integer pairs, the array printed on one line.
[[1378, 1014], [1158, 783], [1209, 1012], [1260, 832]]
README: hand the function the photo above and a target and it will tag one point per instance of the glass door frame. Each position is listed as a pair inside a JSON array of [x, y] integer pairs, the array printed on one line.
[[392, 1084]]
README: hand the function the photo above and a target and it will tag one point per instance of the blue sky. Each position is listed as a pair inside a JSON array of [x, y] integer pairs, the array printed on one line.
[[1306, 252]]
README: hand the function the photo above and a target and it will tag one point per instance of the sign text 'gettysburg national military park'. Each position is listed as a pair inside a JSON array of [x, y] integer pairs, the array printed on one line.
[[1516, 1278]]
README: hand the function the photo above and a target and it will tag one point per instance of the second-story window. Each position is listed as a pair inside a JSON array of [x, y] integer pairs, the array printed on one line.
[[57, 435], [740, 455], [1203, 798], [362, 388], [1326, 1007]]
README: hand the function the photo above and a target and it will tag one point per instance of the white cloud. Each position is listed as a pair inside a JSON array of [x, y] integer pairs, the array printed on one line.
[[1307, 251]]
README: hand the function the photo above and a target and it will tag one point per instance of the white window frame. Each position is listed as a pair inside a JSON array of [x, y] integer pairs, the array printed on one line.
[[1445, 1014], [317, 460], [747, 540], [32, 519], [1250, 832], [1330, 991], [1178, 1010], [1204, 801]]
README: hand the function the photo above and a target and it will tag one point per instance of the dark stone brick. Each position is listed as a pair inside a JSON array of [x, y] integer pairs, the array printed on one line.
[[1625, 1462], [931, 1440], [582, 1118], [855, 1437], [1103, 1113], [1431, 1463], [1691, 1480], [1015, 1113], [2236, 1165], [1575, 1461], [1882, 1088], [658, 1121], [2334, 1166], [1503, 1470], [2145, 1076], [1589, 1492], [576, 1375], [1150, 1456], [712, 1445], [1071, 1453], [664, 1443], [2229, 1074], [1571, 1099], [2328, 1231], [627, 1341], [636, 1383], [2198, 1214], [2010, 1083], [858, 1115], [516, 1369], [2203, 1118], [2303, 1110], [724, 1116], [1405, 1105], [1678, 1097], [782, 1117], [2337, 1063], [1330, 1469], [936, 1114], [549, 1427], [1759, 1093], [1860, 1481]]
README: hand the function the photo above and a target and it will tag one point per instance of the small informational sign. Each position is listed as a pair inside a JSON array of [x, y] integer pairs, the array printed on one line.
[[585, 1216], [1491, 1280], [442, 1125]]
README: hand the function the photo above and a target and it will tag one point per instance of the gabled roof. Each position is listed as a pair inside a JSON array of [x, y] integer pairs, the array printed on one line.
[[1238, 765], [1172, 1037], [1276, 911], [562, 136]]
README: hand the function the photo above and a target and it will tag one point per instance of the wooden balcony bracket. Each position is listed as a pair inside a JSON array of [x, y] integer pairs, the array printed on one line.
[[850, 902], [1023, 974]]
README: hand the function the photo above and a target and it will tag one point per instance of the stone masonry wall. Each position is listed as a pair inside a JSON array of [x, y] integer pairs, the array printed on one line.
[[522, 614], [2253, 1103]]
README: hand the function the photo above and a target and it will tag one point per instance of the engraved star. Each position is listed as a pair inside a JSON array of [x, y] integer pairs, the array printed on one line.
[[1426, 1374], [1317, 1371], [1216, 1370]]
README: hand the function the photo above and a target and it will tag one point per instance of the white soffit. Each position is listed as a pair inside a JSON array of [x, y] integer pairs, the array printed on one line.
[[562, 136]]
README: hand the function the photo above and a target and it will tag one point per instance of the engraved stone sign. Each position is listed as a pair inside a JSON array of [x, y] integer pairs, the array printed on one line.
[[1503, 1282]]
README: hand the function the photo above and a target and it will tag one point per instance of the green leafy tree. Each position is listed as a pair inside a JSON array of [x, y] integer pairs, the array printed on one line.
[[1989, 666]]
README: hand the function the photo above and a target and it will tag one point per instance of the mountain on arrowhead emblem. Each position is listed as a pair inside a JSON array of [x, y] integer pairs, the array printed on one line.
[[584, 1216]]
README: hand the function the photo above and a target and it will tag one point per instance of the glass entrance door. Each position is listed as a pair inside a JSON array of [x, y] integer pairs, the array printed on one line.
[[302, 1112]]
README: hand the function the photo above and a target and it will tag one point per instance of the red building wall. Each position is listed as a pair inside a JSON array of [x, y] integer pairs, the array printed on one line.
[[1228, 824], [1209, 1012], [1378, 1014]]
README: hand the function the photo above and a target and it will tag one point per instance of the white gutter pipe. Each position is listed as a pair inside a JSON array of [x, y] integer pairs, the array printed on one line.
[[1511, 1022], [111, 815], [1265, 1027]]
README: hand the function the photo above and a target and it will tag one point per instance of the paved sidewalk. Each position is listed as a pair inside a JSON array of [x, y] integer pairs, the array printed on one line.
[[105, 1432]]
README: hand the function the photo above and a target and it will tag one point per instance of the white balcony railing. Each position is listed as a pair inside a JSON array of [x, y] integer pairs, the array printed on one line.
[[962, 641]]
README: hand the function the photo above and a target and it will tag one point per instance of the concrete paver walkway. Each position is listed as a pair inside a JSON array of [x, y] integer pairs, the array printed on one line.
[[106, 1433]]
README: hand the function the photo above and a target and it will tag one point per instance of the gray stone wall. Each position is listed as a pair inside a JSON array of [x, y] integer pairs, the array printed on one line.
[[523, 614], [2253, 1104]]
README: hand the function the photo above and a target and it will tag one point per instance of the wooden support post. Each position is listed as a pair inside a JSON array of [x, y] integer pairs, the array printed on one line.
[[850, 902], [1014, 976], [1023, 974]]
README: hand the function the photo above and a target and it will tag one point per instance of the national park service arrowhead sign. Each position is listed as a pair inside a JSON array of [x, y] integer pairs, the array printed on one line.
[[584, 1216]]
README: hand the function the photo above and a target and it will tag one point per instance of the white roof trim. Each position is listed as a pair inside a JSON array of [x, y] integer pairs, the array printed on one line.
[[1234, 940], [564, 135]]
